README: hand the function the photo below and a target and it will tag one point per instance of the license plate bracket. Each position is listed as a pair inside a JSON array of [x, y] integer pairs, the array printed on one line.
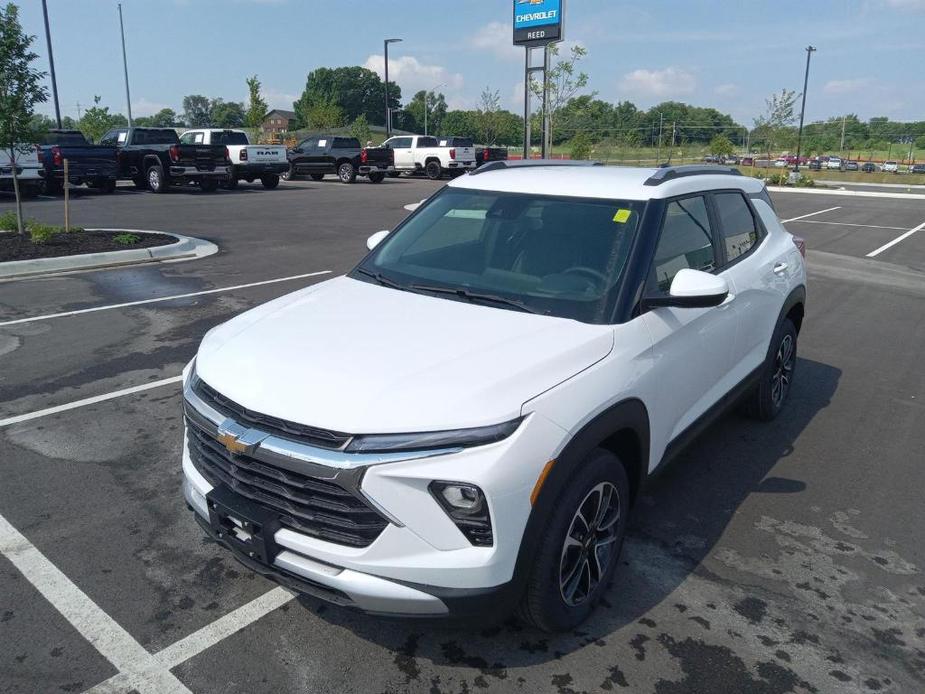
[[247, 527]]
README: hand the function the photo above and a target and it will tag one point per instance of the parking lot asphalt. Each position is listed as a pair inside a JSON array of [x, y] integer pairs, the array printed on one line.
[[767, 558]]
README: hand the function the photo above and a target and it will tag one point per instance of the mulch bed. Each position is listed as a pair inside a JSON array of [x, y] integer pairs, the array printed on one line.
[[75, 243]]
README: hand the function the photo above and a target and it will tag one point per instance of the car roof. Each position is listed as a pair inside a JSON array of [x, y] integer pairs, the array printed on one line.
[[606, 182]]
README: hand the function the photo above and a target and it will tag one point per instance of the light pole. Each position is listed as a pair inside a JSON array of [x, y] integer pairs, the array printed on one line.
[[51, 62], [388, 115], [442, 84], [128, 97], [809, 53]]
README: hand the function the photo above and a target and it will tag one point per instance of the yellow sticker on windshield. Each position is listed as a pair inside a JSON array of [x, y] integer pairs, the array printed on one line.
[[622, 216]]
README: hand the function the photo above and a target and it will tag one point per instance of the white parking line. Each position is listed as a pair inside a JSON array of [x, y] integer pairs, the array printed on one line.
[[112, 641], [847, 224], [88, 401], [811, 214], [892, 243], [78, 312]]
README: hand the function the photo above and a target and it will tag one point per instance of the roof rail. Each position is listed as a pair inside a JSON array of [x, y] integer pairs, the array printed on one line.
[[669, 173], [529, 163]]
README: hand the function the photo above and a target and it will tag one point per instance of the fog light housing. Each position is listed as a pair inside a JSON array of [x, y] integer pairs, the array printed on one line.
[[467, 507]]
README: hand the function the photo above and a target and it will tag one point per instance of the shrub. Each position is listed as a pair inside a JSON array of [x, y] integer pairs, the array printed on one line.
[[580, 146], [126, 239], [8, 221], [41, 233]]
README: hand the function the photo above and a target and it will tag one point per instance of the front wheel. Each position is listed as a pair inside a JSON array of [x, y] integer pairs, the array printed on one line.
[[376, 177], [317, 177], [288, 175], [346, 173], [583, 539], [208, 185], [157, 181], [269, 181], [768, 397], [433, 170]]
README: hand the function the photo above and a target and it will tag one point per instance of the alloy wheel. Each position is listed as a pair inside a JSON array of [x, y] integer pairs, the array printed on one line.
[[783, 371], [590, 544]]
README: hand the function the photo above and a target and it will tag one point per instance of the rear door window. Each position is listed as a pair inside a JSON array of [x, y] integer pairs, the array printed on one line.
[[740, 232]]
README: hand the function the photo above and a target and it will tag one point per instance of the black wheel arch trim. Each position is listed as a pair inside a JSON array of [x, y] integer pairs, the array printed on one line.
[[627, 415]]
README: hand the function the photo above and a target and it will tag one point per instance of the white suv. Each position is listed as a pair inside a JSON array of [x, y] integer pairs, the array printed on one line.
[[462, 423]]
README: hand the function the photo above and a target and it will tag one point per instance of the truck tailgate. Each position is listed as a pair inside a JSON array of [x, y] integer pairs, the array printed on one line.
[[203, 157], [464, 153], [266, 154], [382, 156]]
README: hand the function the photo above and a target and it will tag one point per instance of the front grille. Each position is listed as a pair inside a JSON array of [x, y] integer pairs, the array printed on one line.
[[272, 425], [308, 505]]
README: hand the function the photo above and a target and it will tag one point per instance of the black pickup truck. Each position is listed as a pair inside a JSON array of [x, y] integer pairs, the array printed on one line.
[[483, 155], [93, 165], [319, 155], [154, 158]]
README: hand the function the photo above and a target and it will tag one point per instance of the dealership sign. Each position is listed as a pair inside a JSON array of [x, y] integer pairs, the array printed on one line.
[[537, 22]]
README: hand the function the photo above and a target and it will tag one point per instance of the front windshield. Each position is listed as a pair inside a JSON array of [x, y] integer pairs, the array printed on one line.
[[559, 256]]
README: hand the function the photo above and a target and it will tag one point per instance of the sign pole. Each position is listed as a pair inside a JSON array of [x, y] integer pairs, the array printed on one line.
[[526, 102], [547, 138]]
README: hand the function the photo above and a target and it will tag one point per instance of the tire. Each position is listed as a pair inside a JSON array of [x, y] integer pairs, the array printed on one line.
[[106, 186], [347, 173], [269, 181], [317, 177], [30, 190], [433, 170], [376, 177], [288, 175], [208, 185], [53, 187], [141, 182], [393, 174], [768, 397], [565, 581], [157, 181], [230, 183]]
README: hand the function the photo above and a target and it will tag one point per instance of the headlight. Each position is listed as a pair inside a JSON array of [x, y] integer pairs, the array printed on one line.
[[430, 440]]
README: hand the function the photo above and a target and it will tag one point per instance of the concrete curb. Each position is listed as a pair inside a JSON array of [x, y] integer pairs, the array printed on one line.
[[906, 186], [186, 248], [851, 193]]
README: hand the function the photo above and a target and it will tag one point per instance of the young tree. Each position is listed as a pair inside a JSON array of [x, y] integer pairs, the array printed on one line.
[[323, 115], [490, 118], [564, 82], [722, 146], [360, 129], [256, 106], [773, 125], [19, 92], [97, 120], [197, 111]]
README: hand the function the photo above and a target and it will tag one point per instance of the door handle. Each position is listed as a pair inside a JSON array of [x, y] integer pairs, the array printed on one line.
[[780, 268]]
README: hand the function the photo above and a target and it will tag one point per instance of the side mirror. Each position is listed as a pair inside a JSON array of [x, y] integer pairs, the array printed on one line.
[[374, 240], [692, 289]]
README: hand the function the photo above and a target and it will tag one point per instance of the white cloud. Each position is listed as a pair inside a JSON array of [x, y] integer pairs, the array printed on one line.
[[670, 82], [277, 98], [846, 86], [144, 107], [496, 38], [412, 75], [725, 89]]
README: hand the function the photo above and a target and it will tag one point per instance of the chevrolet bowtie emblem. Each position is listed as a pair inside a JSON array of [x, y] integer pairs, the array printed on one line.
[[232, 442]]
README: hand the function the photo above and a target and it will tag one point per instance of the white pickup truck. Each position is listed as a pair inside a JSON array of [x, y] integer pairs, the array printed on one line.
[[422, 153], [248, 162], [27, 172]]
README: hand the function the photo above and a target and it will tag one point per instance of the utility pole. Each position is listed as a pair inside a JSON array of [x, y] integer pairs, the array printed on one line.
[[51, 63], [79, 115], [128, 98], [809, 52], [388, 111], [841, 147], [658, 156]]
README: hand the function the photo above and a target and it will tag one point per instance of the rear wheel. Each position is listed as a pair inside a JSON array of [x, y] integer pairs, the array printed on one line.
[[288, 175], [768, 397], [53, 187], [269, 181], [376, 177], [393, 174], [208, 185], [157, 181], [346, 173], [584, 536], [105, 185], [433, 170], [317, 177], [231, 182], [30, 190]]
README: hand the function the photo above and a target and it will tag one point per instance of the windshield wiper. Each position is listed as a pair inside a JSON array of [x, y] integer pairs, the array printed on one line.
[[381, 279], [478, 296]]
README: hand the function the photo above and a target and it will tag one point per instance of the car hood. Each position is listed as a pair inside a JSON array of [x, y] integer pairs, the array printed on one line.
[[356, 357]]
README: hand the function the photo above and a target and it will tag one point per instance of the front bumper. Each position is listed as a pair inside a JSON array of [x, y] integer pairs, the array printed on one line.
[[420, 564]]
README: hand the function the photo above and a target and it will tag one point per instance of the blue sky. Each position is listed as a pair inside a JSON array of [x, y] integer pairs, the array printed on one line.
[[729, 54]]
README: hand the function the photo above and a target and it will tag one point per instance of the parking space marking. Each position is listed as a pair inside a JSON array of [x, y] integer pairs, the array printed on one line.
[[901, 237], [811, 214], [849, 224], [88, 401], [112, 641], [141, 302]]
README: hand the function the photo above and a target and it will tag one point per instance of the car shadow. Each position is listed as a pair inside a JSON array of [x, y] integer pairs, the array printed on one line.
[[679, 519]]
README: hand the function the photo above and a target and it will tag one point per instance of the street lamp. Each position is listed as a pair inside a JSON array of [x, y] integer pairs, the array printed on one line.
[[388, 119], [809, 52], [442, 84]]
